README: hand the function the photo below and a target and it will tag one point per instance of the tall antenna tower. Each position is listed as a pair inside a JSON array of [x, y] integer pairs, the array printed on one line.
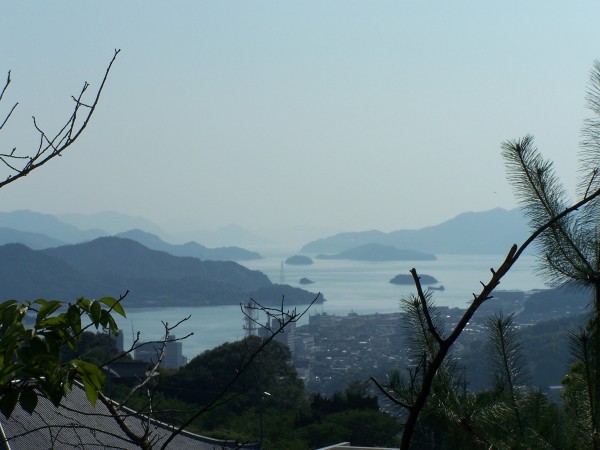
[[250, 318], [281, 274]]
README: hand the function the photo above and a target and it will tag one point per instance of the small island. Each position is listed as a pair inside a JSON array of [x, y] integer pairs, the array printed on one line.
[[408, 279], [379, 252], [299, 260], [305, 280]]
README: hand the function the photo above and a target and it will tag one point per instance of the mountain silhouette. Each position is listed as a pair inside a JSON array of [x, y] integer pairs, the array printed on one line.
[[489, 232], [32, 240], [47, 224], [190, 248], [110, 266]]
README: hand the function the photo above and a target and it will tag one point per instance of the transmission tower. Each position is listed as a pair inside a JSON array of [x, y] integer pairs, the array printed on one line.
[[250, 318]]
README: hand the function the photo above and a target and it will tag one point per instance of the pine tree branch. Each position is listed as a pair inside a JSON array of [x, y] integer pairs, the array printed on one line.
[[485, 294], [430, 325]]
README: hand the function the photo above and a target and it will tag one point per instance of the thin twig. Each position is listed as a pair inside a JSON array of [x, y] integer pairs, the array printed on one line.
[[50, 148]]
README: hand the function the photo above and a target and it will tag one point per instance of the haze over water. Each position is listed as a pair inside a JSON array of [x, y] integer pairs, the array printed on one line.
[[348, 286]]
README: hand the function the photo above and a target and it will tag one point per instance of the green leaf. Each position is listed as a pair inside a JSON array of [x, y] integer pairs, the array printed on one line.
[[7, 304], [114, 305], [43, 347], [104, 316], [91, 391], [28, 400], [38, 344], [10, 314], [7, 371], [95, 313], [53, 386], [8, 400], [74, 319], [47, 308], [114, 328], [84, 304], [59, 321], [92, 378]]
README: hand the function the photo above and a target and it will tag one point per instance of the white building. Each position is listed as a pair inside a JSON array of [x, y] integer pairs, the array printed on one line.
[[150, 352]]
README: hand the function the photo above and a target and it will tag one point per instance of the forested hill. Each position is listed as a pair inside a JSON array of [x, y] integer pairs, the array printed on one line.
[[488, 232], [111, 265]]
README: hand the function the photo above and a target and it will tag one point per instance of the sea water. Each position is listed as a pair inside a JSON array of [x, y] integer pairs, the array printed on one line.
[[348, 286]]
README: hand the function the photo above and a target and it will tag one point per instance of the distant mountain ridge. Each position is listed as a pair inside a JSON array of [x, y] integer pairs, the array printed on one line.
[[109, 221], [35, 241], [190, 248], [227, 235], [488, 232], [38, 231], [48, 225], [111, 266]]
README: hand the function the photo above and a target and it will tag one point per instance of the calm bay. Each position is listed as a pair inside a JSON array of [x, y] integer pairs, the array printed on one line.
[[348, 286]]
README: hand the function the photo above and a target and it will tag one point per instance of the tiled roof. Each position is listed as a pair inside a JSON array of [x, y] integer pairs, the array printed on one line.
[[347, 446], [76, 424]]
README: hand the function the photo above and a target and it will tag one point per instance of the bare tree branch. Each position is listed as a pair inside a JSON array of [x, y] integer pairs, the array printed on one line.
[[51, 147], [154, 369], [290, 317]]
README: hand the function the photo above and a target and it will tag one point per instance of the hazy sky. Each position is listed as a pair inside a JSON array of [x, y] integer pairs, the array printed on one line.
[[271, 114]]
